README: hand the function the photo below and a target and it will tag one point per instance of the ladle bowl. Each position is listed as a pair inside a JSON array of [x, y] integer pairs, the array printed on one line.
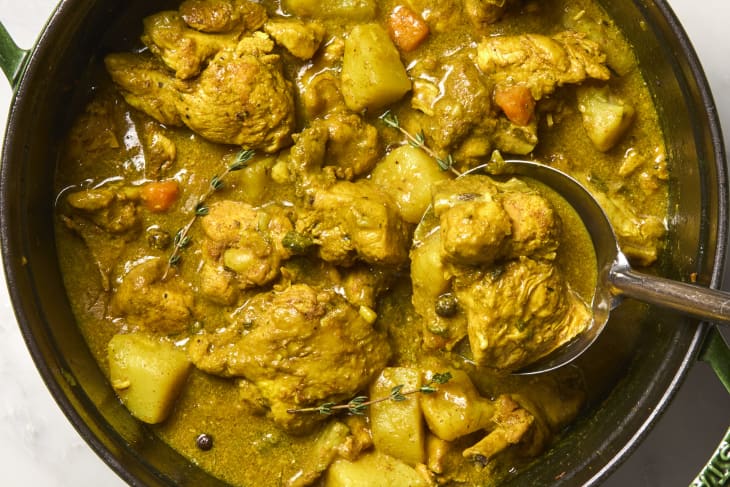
[[616, 278]]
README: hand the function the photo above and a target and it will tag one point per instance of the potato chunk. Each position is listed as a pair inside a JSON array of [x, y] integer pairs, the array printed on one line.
[[397, 426], [606, 118], [408, 173], [372, 73], [456, 408], [374, 470], [147, 374]]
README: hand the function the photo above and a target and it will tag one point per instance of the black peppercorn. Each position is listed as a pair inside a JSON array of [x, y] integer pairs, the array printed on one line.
[[446, 305], [204, 442]]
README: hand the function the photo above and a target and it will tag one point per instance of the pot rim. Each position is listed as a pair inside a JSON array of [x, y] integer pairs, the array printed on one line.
[[52, 374]]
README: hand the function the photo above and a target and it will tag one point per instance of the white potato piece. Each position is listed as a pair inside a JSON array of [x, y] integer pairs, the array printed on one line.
[[456, 408], [606, 118], [372, 73], [408, 173], [147, 374], [373, 470], [428, 275], [397, 426]]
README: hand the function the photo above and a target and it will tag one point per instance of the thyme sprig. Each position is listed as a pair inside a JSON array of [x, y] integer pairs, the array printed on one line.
[[419, 141], [182, 239], [359, 404]]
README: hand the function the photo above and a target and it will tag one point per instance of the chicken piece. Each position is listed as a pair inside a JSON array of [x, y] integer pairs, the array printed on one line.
[[301, 346], [106, 219], [223, 15], [512, 425], [151, 304], [299, 38], [322, 94], [540, 62], [456, 102], [483, 221], [483, 13], [519, 312], [352, 221], [640, 236], [146, 85], [113, 209], [341, 143], [363, 285], [620, 56], [240, 98], [160, 152], [437, 451], [184, 50], [512, 138], [95, 130], [535, 224], [475, 232], [218, 284], [244, 241]]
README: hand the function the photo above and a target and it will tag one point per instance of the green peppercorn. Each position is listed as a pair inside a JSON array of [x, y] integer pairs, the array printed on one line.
[[297, 243]]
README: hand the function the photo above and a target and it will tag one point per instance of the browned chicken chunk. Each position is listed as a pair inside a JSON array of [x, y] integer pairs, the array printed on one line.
[[182, 49], [540, 62], [240, 98], [341, 144], [483, 221], [300, 346], [519, 312], [302, 39], [493, 274], [243, 246], [151, 304], [223, 15], [356, 221]]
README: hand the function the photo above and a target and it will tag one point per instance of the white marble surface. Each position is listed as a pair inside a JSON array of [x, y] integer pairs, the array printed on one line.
[[39, 448]]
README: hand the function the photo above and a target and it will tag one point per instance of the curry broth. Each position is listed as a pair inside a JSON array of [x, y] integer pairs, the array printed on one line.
[[110, 150]]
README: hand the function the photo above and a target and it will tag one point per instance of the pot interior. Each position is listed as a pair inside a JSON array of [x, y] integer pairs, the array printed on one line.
[[82, 31]]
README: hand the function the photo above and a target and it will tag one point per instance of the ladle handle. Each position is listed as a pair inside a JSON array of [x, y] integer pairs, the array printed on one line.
[[700, 302]]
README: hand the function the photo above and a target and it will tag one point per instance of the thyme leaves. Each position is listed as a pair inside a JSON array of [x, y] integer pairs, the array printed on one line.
[[216, 183], [359, 404], [418, 141]]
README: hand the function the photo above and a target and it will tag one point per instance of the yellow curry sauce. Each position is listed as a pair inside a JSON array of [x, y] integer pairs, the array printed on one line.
[[286, 284]]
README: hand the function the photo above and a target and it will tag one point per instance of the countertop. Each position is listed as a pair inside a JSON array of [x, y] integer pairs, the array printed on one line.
[[38, 446]]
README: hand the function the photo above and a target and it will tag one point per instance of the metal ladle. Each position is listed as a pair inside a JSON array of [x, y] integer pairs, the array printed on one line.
[[616, 278]]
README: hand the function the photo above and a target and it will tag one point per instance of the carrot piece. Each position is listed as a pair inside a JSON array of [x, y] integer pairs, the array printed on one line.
[[159, 196], [516, 102], [406, 28]]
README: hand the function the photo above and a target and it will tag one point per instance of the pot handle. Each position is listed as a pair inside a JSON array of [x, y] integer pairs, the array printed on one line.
[[716, 352], [12, 58]]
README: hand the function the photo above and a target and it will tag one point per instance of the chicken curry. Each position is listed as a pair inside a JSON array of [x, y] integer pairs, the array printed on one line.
[[238, 226]]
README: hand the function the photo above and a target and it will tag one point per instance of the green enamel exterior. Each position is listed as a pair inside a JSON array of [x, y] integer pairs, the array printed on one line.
[[12, 58], [717, 471], [717, 353]]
